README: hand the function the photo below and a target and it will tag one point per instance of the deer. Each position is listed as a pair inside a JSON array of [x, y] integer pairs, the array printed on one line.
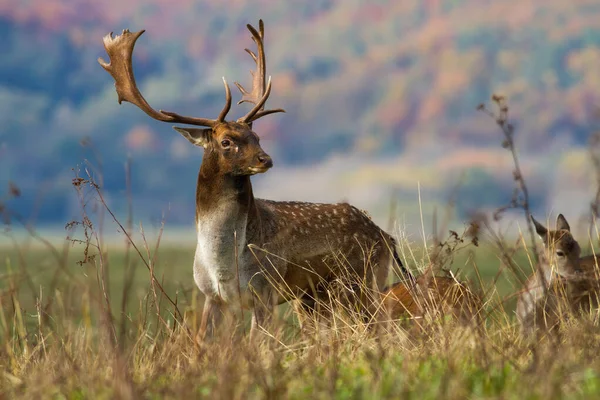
[[250, 252], [431, 295], [564, 283], [436, 291]]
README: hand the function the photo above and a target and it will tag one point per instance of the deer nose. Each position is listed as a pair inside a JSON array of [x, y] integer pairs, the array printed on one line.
[[265, 160]]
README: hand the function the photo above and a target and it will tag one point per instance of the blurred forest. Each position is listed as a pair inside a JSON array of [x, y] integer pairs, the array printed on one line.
[[379, 96]]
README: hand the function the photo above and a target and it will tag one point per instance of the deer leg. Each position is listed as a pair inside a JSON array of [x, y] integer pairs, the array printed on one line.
[[267, 288], [376, 277], [304, 310], [211, 318], [263, 313], [312, 311]]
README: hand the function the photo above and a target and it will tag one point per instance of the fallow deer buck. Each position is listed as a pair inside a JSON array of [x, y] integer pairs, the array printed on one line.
[[253, 252], [565, 283]]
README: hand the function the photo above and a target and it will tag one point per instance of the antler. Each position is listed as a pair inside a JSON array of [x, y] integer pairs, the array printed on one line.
[[259, 95], [120, 50]]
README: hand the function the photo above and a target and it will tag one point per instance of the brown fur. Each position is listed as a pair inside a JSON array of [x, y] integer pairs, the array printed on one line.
[[432, 295], [258, 253], [292, 247], [564, 283]]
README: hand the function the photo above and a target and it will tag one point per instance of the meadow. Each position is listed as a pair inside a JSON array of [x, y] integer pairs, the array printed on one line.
[[380, 97], [76, 323], [67, 332], [103, 316]]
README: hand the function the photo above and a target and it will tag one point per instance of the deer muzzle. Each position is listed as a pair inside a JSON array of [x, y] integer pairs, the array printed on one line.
[[264, 160], [262, 164]]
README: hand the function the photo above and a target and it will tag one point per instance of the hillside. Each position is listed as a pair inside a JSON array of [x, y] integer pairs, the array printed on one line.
[[379, 97]]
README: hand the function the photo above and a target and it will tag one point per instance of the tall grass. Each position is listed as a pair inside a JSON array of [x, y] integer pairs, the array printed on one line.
[[66, 348], [86, 319]]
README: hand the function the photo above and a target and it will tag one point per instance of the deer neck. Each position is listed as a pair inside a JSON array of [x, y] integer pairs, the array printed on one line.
[[224, 207], [224, 204]]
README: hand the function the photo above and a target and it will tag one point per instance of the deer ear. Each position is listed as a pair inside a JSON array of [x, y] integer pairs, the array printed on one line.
[[196, 136], [539, 228], [561, 223]]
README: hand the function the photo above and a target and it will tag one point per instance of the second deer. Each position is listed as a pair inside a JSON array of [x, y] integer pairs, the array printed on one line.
[[433, 295], [565, 282]]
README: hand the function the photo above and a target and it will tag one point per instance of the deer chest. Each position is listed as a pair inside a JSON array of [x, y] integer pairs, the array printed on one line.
[[219, 261]]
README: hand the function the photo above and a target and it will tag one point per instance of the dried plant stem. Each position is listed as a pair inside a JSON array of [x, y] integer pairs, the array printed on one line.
[[139, 253], [520, 197]]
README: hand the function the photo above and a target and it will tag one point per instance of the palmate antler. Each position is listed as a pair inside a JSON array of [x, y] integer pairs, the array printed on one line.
[[259, 93], [120, 51]]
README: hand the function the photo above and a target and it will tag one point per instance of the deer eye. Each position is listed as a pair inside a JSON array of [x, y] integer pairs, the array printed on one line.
[[560, 253], [225, 143]]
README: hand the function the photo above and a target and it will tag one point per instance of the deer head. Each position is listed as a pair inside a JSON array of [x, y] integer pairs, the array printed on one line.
[[232, 145], [562, 250]]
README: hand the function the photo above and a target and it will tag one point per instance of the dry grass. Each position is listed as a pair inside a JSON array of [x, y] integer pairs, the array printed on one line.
[[86, 320], [59, 340]]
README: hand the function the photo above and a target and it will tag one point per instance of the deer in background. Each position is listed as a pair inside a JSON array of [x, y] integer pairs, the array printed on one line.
[[432, 294], [436, 291], [427, 295], [564, 282], [252, 252]]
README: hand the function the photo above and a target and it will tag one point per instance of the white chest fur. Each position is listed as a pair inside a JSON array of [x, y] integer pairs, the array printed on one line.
[[220, 246], [534, 292]]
